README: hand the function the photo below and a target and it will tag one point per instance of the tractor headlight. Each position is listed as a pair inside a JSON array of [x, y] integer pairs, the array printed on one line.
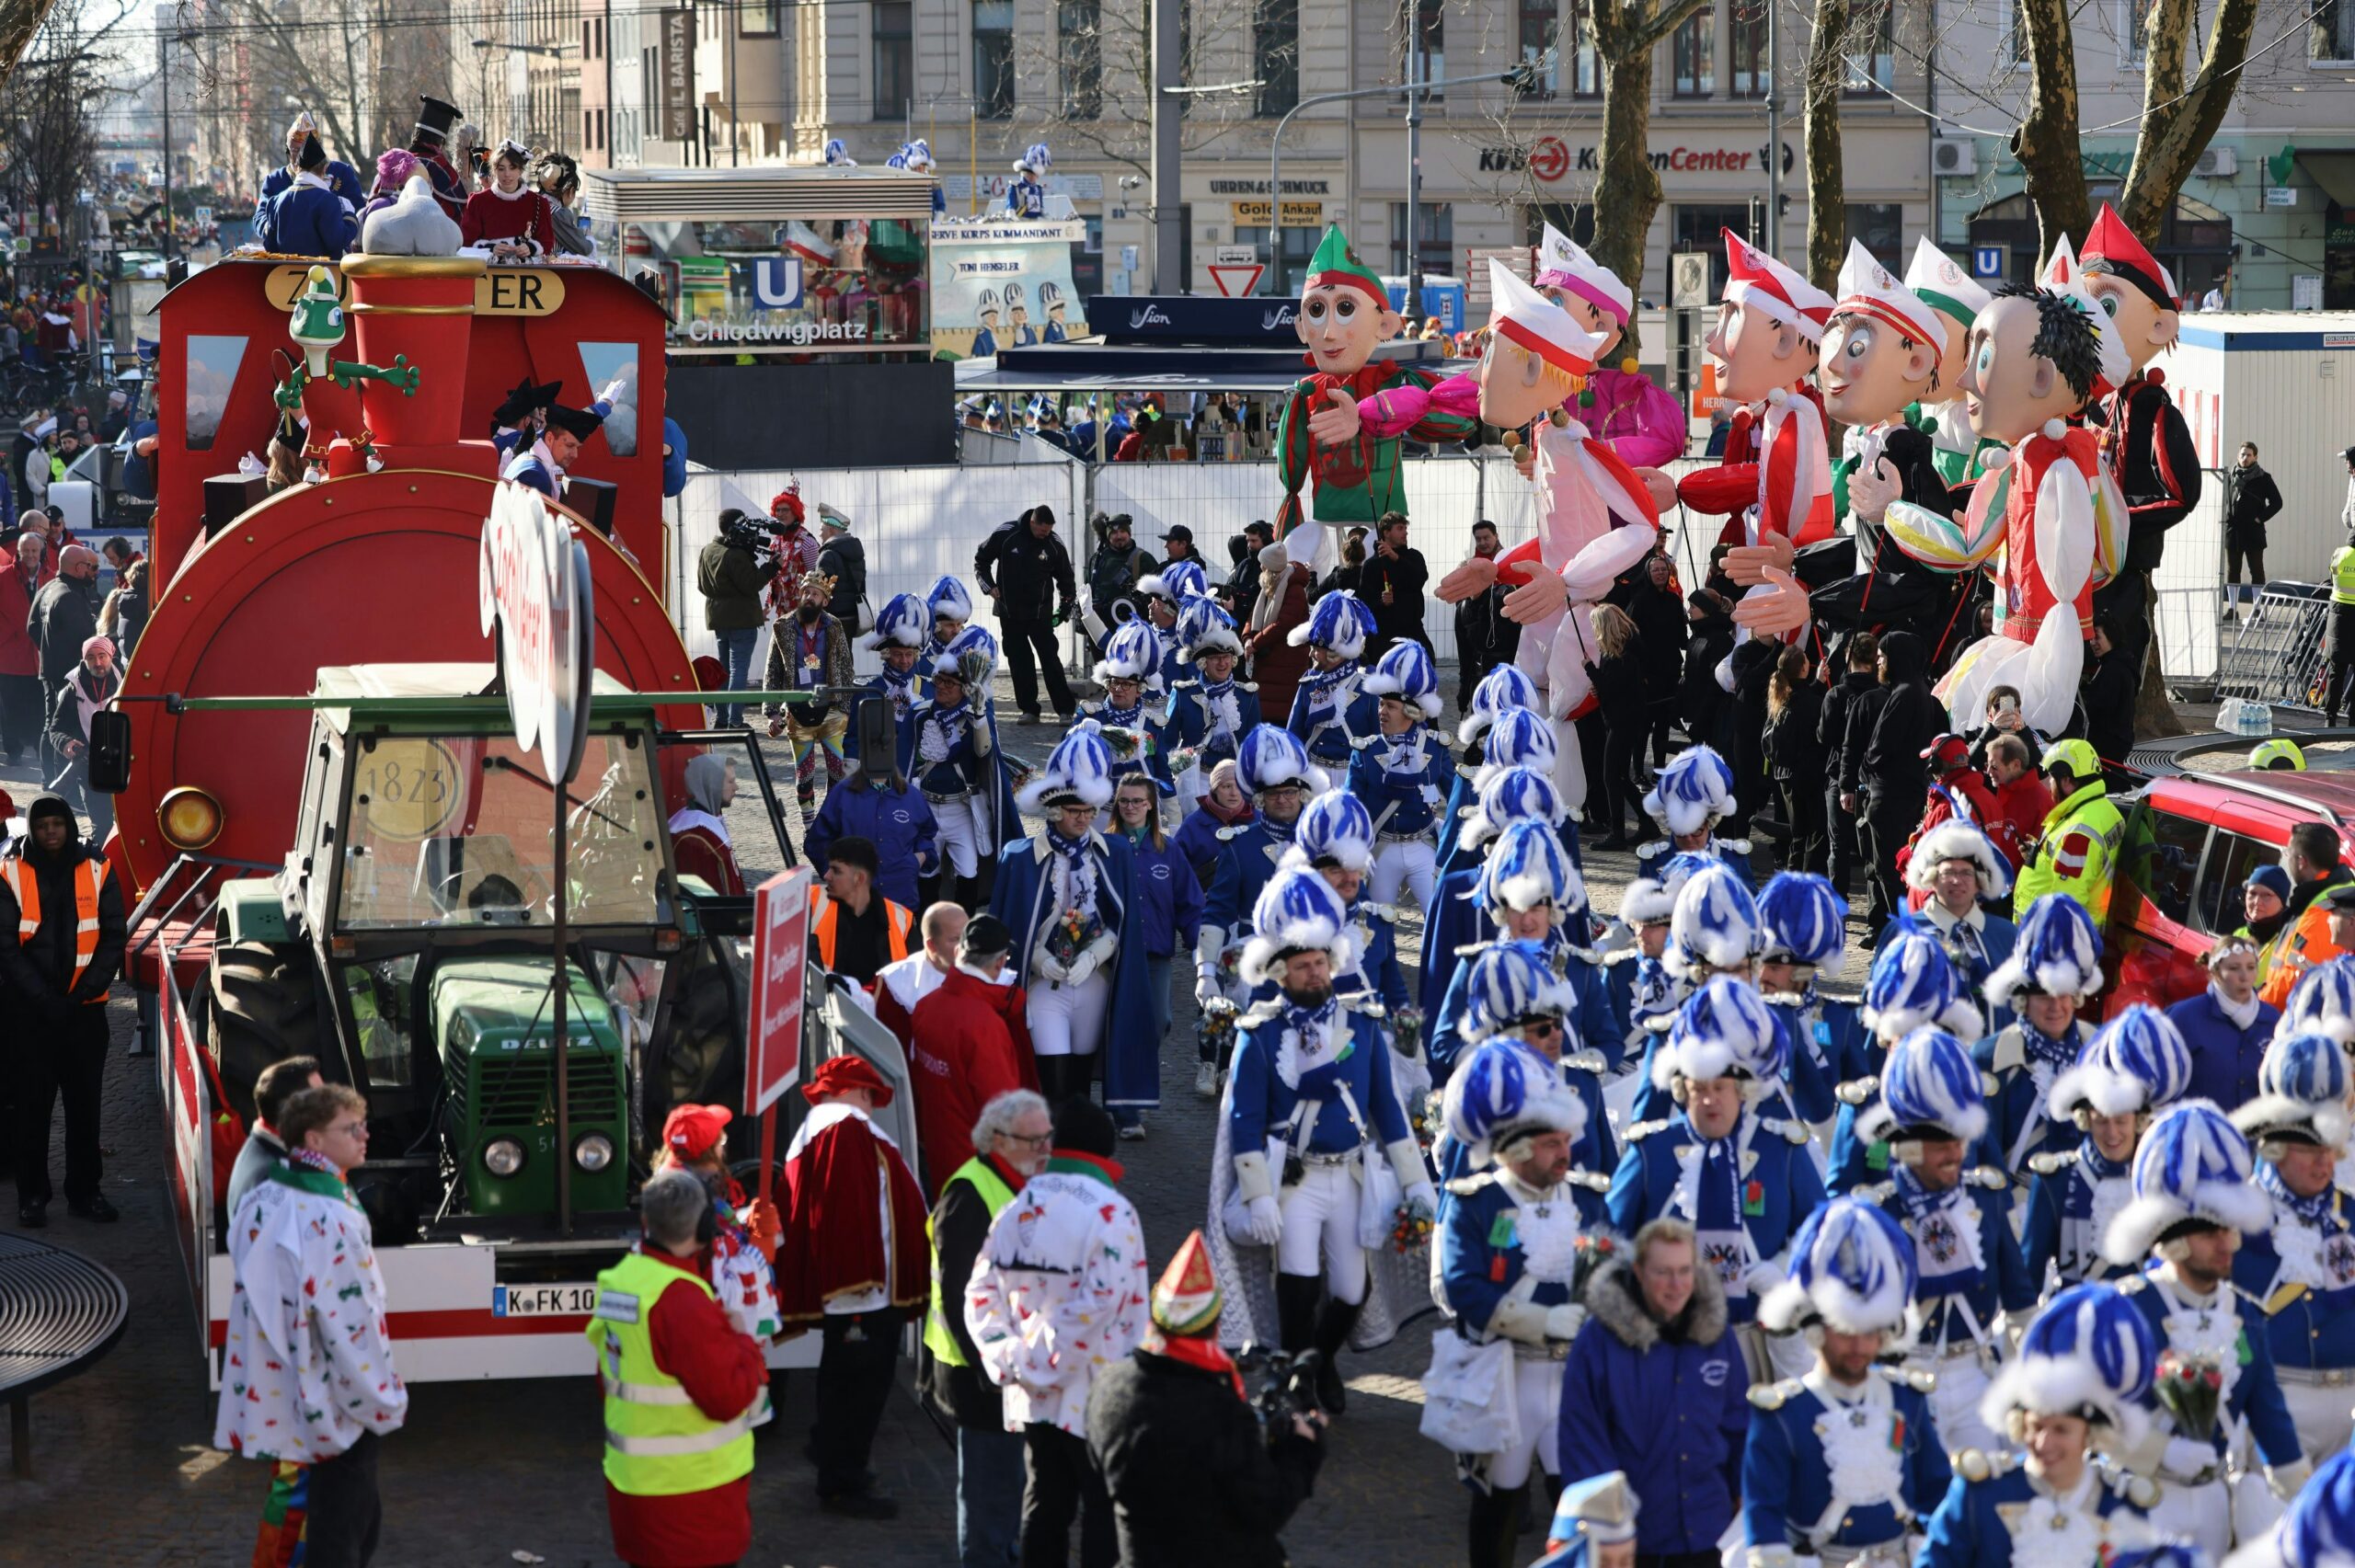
[[189, 817], [593, 1152], [504, 1157]]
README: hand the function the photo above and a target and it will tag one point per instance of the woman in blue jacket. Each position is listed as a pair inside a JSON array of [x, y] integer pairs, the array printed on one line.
[[2227, 1026], [896, 819], [1168, 908]]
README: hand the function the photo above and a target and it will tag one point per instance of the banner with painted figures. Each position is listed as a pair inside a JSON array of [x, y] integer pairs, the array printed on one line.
[[997, 285]]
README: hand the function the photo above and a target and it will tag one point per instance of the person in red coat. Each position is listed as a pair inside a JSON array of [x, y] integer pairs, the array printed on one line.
[[721, 1371], [1275, 664], [852, 1262], [21, 575], [1956, 789], [904, 982], [2022, 798], [517, 222], [971, 1043]]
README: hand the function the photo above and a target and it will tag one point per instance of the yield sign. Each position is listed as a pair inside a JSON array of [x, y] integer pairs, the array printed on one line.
[[1236, 280]]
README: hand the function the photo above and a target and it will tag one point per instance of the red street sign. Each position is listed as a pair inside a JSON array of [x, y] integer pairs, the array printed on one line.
[[1236, 280], [1549, 159], [780, 945]]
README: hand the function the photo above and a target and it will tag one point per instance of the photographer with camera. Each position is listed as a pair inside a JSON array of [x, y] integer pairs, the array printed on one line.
[[1197, 1474], [1113, 572], [732, 573]]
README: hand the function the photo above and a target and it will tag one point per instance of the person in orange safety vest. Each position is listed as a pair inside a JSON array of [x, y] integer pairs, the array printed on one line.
[[855, 930], [2312, 859]]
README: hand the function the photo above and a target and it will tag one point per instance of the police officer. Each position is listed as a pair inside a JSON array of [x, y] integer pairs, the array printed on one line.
[[2076, 853]]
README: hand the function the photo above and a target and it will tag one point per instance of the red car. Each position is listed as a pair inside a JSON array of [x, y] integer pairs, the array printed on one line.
[[2192, 841]]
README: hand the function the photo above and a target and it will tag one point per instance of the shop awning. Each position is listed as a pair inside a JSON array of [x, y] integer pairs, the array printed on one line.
[[2334, 172], [752, 195]]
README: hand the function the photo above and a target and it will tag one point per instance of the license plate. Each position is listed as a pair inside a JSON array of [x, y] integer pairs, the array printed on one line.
[[543, 1300]]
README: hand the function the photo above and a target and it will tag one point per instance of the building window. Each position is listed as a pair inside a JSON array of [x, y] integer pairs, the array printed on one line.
[[2133, 46], [1575, 219], [2330, 32], [1079, 27], [1696, 57], [1541, 28], [1872, 65], [994, 58], [1750, 77], [2014, 46], [1880, 227], [1435, 238], [756, 18], [1699, 228], [1431, 36], [1290, 268], [893, 41], [1275, 55], [1586, 60]]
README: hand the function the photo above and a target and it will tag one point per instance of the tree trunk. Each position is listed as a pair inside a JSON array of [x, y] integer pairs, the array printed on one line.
[[2046, 141], [2153, 715], [1626, 191], [1827, 211], [2179, 121], [19, 20]]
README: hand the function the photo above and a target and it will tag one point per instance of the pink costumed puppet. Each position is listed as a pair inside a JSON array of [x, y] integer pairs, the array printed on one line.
[[1619, 406]]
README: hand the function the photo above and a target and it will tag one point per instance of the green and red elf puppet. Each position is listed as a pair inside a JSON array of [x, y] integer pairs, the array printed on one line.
[[1342, 422]]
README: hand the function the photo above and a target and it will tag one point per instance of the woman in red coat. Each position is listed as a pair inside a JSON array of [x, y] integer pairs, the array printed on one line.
[[515, 221], [1275, 664]]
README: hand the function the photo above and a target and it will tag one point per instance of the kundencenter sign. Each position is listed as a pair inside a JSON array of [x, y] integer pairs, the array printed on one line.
[[1550, 158], [534, 589]]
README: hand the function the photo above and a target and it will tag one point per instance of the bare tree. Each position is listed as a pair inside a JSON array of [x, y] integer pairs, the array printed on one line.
[[1627, 192], [1827, 212], [1091, 73], [48, 105], [320, 58]]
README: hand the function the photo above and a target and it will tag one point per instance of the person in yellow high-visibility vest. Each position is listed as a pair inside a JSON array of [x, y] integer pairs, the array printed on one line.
[[1013, 1137], [2076, 853], [2342, 612], [681, 1387]]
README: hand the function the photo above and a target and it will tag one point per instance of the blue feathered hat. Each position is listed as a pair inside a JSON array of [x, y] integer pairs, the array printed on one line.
[[2318, 1530], [971, 656], [915, 157], [2192, 1173], [901, 623], [1526, 868], [1177, 582], [1517, 795], [1913, 986], [1131, 653], [2302, 1089], [1501, 690], [1203, 628], [1297, 911], [1341, 622], [1805, 919], [2139, 1061], [1852, 1270], [2058, 954], [1517, 737], [1404, 672], [1035, 158], [1508, 982], [1955, 839], [1646, 901], [1271, 757], [2323, 1003], [1502, 1092], [1598, 1511], [948, 597], [1724, 1030], [1335, 826], [1930, 1087], [837, 156], [1715, 924], [1691, 793], [2089, 1353], [1078, 772]]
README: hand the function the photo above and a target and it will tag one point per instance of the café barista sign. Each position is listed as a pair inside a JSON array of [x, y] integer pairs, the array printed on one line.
[[1549, 158]]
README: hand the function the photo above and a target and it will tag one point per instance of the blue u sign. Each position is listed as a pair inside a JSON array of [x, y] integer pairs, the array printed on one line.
[[1989, 260], [776, 283]]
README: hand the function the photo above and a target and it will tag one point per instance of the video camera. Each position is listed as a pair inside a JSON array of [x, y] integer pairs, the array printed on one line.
[[1287, 1382]]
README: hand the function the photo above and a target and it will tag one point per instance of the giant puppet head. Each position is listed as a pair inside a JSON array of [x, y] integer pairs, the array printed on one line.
[[2039, 355], [1536, 351], [1590, 291], [1955, 299], [2127, 282], [1344, 310], [1770, 325], [1882, 347]]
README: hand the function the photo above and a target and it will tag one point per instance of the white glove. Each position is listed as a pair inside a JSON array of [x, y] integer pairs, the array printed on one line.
[[1762, 1277], [1206, 989], [1431, 796], [1267, 1226], [1565, 1321], [1088, 960], [2188, 1461], [1422, 1202], [1047, 963]]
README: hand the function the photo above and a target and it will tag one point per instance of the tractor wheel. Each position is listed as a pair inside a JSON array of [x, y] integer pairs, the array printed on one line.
[[262, 1007]]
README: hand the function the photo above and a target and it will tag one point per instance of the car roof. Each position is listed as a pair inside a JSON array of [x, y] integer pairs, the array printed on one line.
[[2329, 794]]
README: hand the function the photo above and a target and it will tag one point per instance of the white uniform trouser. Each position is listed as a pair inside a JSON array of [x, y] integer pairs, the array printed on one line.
[[1069, 1020], [1537, 1385], [1320, 1233], [2320, 1415], [2200, 1514], [1954, 1402], [1413, 863], [961, 833]]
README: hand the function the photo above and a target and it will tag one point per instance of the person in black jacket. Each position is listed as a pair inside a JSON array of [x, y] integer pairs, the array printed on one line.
[[1484, 638], [2250, 497], [1195, 1478], [1892, 781], [1027, 571], [1751, 666], [1618, 679], [1832, 736], [1392, 581], [1012, 1137], [1700, 701], [1650, 597], [842, 557], [1795, 757], [2113, 676]]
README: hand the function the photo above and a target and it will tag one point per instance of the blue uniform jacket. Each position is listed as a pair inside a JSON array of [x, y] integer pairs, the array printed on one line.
[[2224, 1056], [1975, 952], [1650, 857], [1026, 198], [1402, 780], [1154, 763], [2304, 1325], [1786, 1479], [1197, 838], [1169, 899], [2002, 1286], [1968, 1531], [1131, 1047], [1246, 858], [341, 177], [1459, 796], [1670, 1412], [1260, 1107], [1779, 1188], [1633, 993], [900, 824], [1461, 860], [1808, 1081], [304, 220], [2016, 1098], [2257, 1392], [1188, 722], [1445, 1030], [2059, 1232], [1329, 717], [1480, 1252]]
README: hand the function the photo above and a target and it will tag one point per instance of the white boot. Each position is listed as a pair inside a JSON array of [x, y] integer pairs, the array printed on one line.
[[1206, 1080]]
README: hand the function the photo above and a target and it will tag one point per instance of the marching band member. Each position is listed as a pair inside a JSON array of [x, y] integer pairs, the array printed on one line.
[[2055, 968], [1504, 1002], [1130, 670], [1451, 920], [950, 605], [1333, 837], [899, 638], [1519, 738], [1164, 594], [958, 767], [2135, 1068], [2194, 1200], [1844, 1463], [1712, 929], [1210, 713], [1804, 925], [2302, 1271], [1400, 771], [1931, 1112], [1688, 799], [1956, 864], [1531, 890], [1501, 690], [1635, 978], [1508, 1248], [1330, 709], [1913, 986], [2041, 1500]]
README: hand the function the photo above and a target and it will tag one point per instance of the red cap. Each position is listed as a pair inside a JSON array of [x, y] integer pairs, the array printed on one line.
[[2112, 247], [1947, 750], [838, 1075], [690, 1131]]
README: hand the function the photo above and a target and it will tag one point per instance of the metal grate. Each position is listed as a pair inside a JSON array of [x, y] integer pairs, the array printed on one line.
[[58, 1311], [520, 1092], [2277, 656]]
